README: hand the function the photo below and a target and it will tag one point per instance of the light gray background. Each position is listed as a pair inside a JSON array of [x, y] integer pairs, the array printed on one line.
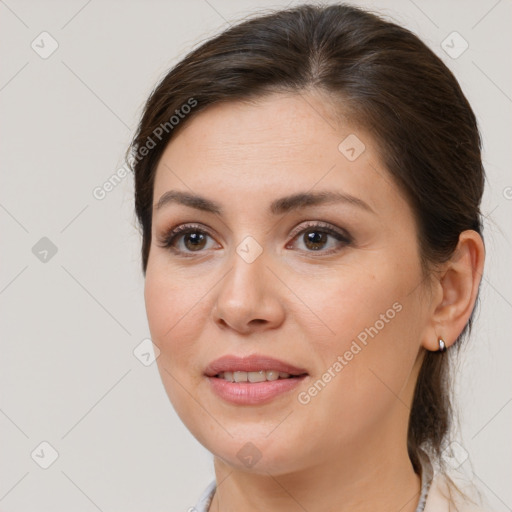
[[69, 325]]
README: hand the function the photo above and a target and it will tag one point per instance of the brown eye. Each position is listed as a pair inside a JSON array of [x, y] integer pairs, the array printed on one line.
[[185, 239], [317, 238], [194, 241]]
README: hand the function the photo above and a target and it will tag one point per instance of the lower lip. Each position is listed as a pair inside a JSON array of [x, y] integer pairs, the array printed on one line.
[[253, 393]]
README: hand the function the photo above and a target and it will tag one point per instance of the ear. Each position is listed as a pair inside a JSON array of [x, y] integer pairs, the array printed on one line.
[[456, 291]]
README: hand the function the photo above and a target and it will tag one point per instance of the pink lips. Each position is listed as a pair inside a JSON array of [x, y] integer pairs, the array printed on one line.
[[252, 393], [250, 364]]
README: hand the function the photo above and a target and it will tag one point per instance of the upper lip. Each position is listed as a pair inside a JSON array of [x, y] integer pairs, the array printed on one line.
[[253, 363]]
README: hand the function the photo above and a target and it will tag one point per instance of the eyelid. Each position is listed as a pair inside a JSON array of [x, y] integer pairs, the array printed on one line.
[[323, 225]]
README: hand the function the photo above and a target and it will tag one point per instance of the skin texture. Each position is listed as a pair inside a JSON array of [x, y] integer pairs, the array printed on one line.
[[346, 449]]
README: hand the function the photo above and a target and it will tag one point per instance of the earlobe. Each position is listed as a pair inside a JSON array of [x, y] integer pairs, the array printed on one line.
[[459, 281]]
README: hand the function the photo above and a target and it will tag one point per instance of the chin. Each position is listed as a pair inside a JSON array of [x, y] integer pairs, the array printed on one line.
[[251, 448]]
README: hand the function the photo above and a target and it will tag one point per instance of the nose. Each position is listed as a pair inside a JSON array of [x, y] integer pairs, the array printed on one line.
[[248, 297]]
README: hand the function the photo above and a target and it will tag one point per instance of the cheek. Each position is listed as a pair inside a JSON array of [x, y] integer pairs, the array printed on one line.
[[174, 308], [174, 313], [347, 301], [172, 296], [363, 376], [160, 300], [372, 320]]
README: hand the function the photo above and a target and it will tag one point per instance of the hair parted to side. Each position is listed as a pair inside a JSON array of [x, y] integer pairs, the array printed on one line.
[[386, 80]]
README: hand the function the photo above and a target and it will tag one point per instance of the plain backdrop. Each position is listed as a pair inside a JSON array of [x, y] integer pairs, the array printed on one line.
[[71, 286]]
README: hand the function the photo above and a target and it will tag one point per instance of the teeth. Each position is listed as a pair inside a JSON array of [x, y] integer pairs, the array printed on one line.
[[259, 376], [240, 376], [272, 374]]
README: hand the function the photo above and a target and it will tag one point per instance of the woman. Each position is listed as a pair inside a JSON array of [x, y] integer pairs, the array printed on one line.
[[308, 185]]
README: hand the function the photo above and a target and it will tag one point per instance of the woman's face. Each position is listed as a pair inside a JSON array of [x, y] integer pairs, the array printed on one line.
[[332, 289]]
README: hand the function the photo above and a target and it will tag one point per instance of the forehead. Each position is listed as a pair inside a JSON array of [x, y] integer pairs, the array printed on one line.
[[278, 127], [276, 145]]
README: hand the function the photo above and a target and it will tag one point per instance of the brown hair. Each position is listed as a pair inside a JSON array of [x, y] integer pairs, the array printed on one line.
[[388, 80]]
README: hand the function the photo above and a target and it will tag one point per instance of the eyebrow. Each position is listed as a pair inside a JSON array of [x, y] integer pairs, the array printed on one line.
[[277, 207]]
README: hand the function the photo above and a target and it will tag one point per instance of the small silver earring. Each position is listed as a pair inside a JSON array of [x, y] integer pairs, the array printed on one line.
[[442, 345]]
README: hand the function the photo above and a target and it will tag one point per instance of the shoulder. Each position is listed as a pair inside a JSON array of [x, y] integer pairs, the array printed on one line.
[[205, 499], [446, 495], [442, 497]]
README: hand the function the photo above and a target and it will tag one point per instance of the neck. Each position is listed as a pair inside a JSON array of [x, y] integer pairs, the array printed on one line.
[[360, 479]]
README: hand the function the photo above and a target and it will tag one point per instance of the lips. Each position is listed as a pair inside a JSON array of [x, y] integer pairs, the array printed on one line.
[[253, 380], [253, 363]]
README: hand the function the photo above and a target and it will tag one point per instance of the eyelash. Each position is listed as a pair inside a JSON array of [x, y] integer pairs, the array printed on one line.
[[169, 239]]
